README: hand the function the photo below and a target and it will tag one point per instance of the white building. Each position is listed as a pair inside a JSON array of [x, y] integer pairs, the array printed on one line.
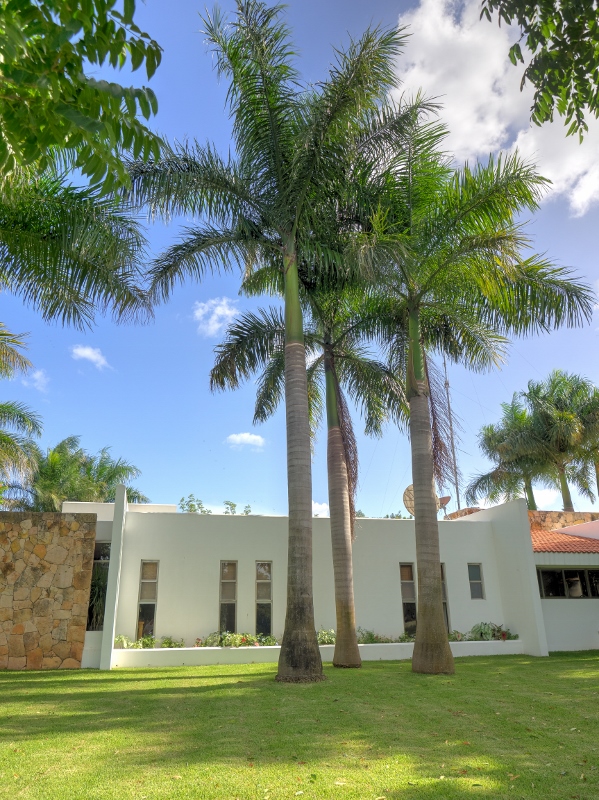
[[187, 575]]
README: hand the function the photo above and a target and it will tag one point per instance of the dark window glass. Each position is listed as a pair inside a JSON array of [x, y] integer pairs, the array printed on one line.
[[145, 619], [264, 618], [102, 551], [227, 617], [540, 582], [444, 588], [474, 573], [476, 590], [594, 582], [576, 582], [409, 618], [553, 583]]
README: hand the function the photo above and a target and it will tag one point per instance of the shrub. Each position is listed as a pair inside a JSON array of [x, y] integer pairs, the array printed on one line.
[[143, 643], [489, 631], [370, 637], [228, 639], [326, 637], [168, 641]]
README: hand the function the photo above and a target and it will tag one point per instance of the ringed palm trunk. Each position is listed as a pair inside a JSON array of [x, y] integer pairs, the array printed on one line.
[[299, 659], [597, 476], [530, 497], [565, 489], [347, 653], [432, 653]]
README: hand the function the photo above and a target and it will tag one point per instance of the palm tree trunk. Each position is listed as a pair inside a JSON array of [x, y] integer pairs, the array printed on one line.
[[432, 653], [597, 476], [566, 496], [530, 497], [299, 660], [347, 653]]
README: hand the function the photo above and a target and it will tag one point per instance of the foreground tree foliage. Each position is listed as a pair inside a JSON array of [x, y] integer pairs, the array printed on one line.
[[458, 282], [262, 208], [563, 39], [337, 330], [68, 472], [46, 99], [69, 252]]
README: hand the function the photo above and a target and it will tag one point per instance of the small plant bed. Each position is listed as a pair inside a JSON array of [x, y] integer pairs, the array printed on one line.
[[501, 727]]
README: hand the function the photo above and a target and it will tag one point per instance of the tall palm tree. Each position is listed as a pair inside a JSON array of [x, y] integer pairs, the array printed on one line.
[[69, 252], [457, 275], [565, 420], [336, 327], [263, 207], [68, 472], [514, 472]]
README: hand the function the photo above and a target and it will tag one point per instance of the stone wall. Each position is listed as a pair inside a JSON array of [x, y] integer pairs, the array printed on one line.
[[46, 562], [554, 520]]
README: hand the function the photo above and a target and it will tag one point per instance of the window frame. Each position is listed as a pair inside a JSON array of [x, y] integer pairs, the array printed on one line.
[[227, 601], [260, 601], [476, 582], [153, 602], [406, 601]]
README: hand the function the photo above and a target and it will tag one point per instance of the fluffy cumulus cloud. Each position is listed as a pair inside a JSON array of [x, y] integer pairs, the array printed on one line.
[[94, 355], [238, 440], [37, 380], [214, 315], [320, 509], [462, 60]]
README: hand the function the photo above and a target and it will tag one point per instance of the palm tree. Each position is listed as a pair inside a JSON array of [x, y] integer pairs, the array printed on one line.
[[564, 415], [68, 472], [335, 335], [69, 252], [514, 473], [263, 208], [459, 282]]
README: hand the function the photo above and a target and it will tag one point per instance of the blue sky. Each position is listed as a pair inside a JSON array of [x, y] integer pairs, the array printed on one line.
[[144, 390]]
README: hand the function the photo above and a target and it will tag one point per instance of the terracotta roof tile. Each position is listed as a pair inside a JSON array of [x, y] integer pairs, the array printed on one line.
[[554, 542]]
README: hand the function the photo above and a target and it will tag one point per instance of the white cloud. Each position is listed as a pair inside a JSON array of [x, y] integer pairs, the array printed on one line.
[[320, 509], [38, 380], [463, 61], [87, 353], [214, 315], [238, 440]]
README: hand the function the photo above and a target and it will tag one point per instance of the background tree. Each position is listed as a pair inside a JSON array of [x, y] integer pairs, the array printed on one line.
[[68, 472], [262, 209], [559, 411], [336, 327], [563, 39], [514, 473], [46, 99], [18, 423], [459, 282]]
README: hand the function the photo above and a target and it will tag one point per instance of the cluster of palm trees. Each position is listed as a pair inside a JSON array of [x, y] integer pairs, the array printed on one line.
[[548, 435], [341, 203]]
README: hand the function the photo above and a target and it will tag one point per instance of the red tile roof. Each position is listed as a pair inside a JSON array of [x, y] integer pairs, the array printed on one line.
[[554, 542]]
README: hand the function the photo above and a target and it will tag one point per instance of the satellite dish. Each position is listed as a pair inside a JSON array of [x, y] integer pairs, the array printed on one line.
[[408, 500]]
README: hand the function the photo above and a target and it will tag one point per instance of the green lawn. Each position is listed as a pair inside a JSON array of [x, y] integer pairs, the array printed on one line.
[[511, 726]]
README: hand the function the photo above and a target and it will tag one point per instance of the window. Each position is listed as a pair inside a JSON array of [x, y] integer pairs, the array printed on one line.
[[228, 596], [408, 597], [148, 591], [99, 582], [444, 590], [475, 576], [568, 583], [264, 597]]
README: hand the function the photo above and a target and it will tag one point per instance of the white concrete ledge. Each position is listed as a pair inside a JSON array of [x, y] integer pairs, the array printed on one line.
[[91, 650], [199, 656]]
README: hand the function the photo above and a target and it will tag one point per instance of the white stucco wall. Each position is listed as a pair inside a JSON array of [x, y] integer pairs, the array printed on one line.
[[571, 624]]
